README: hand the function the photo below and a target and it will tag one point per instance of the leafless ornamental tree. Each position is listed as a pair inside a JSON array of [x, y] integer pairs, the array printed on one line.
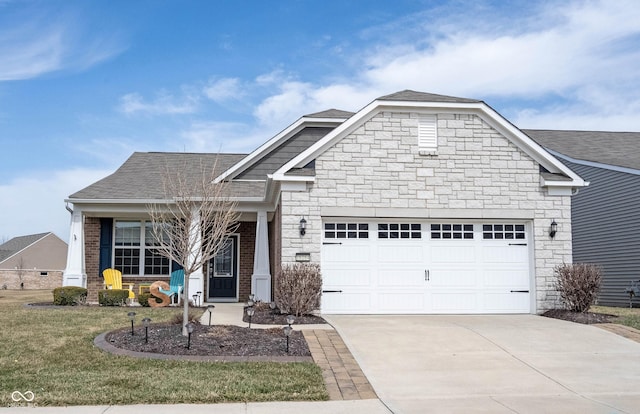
[[192, 224]]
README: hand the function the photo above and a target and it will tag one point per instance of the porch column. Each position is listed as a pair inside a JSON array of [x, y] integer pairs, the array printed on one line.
[[196, 279], [75, 274], [261, 277]]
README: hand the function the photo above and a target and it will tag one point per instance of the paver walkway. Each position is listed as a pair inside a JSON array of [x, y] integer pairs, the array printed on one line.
[[342, 374]]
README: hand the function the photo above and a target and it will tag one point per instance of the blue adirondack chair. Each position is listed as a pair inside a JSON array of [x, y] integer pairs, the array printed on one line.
[[176, 284]]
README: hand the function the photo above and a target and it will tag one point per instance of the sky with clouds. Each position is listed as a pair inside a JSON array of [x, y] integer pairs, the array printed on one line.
[[83, 84]]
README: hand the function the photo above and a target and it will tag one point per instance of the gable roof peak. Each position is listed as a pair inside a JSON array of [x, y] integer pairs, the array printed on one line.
[[330, 113], [415, 96]]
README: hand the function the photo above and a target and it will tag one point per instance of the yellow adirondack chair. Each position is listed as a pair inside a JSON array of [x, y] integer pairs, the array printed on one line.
[[113, 280]]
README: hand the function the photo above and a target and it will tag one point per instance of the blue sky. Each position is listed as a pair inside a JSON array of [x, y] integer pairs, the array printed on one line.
[[83, 84]]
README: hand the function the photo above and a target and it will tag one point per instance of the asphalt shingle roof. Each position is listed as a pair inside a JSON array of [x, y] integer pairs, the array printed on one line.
[[614, 148], [17, 244], [140, 177], [413, 96], [330, 113]]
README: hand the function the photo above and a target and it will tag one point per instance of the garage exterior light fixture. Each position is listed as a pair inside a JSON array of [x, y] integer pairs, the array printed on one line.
[[553, 229], [303, 226]]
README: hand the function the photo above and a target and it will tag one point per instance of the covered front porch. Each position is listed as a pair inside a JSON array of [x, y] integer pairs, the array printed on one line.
[[101, 240]]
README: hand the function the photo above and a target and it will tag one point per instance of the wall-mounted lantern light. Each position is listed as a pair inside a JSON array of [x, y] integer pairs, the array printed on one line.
[[553, 229], [303, 226]]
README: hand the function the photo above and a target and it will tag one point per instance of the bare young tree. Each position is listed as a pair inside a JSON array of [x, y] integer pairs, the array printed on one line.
[[21, 270], [192, 224]]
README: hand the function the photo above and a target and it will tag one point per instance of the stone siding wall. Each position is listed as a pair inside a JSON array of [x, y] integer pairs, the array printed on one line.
[[476, 173], [31, 279]]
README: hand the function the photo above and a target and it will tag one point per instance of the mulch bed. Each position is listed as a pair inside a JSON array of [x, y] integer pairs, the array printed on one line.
[[587, 318], [264, 315], [217, 340]]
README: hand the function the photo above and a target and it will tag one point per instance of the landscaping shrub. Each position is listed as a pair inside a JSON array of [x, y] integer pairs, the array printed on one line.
[[69, 296], [578, 285], [143, 299], [299, 288], [113, 297], [177, 318]]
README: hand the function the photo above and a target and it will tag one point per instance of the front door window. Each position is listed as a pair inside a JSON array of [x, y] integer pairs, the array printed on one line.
[[223, 271]]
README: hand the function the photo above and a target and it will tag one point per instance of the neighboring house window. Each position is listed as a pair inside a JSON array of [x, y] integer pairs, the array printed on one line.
[[399, 231], [452, 231], [427, 135], [130, 257], [346, 231]]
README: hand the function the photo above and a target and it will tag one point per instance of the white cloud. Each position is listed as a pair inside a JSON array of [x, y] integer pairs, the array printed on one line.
[[34, 204], [44, 42], [578, 60], [164, 104], [230, 137], [224, 89]]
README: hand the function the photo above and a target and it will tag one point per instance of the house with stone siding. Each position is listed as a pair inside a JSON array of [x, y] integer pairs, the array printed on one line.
[[417, 203], [34, 261]]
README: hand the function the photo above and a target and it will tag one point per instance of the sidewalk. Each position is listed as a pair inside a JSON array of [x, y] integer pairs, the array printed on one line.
[[322, 407]]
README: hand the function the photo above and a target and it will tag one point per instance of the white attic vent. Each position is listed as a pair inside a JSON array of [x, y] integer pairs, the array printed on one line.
[[427, 135]]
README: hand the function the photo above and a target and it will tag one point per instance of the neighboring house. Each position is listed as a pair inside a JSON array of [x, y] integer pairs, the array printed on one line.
[[35, 261], [605, 215], [418, 203]]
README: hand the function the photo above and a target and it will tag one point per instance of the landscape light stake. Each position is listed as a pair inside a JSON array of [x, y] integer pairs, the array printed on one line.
[[132, 317], [210, 310], [250, 312], [190, 327], [291, 319], [272, 305], [199, 296], [287, 332], [146, 322], [195, 301]]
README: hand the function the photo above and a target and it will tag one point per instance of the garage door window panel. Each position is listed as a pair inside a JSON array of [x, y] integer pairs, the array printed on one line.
[[503, 232], [399, 231], [346, 231], [452, 231]]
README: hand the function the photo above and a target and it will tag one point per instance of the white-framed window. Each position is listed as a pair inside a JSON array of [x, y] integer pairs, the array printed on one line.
[[427, 135], [133, 249]]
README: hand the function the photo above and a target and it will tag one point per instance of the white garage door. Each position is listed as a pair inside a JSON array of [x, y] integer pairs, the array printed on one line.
[[425, 267]]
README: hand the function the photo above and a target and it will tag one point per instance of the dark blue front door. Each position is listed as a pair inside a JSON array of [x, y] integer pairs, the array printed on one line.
[[223, 271]]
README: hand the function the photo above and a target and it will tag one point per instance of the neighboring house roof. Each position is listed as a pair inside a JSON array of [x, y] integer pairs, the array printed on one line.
[[18, 244], [140, 177], [613, 148]]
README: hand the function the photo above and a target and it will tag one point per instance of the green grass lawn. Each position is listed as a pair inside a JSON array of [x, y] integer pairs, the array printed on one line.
[[50, 352], [626, 316]]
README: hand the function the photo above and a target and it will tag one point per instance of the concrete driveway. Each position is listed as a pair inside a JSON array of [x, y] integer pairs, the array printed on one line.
[[493, 364]]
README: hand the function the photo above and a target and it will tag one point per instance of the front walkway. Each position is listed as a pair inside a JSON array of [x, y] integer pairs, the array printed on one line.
[[342, 375]]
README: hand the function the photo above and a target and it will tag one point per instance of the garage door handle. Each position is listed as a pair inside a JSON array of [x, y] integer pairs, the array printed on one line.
[[517, 244], [426, 275], [331, 243], [331, 291], [519, 291]]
